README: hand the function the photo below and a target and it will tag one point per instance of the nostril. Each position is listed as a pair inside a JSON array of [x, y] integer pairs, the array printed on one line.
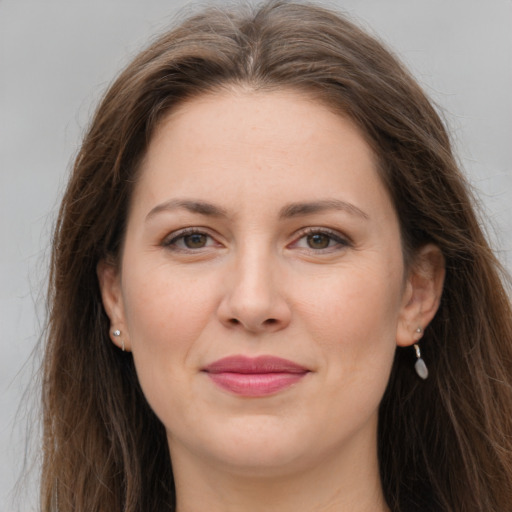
[[268, 321]]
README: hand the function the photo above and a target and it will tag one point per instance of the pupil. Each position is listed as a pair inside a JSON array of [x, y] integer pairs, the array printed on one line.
[[195, 241], [318, 241]]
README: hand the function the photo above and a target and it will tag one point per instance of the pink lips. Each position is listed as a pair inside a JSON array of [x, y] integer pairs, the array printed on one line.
[[253, 377]]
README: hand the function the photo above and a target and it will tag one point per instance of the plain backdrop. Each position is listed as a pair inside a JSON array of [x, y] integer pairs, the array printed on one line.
[[58, 56]]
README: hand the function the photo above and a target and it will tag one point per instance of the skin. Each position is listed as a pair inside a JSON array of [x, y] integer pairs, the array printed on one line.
[[326, 289]]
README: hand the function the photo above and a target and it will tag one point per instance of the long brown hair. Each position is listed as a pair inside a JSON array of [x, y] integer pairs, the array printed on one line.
[[444, 444]]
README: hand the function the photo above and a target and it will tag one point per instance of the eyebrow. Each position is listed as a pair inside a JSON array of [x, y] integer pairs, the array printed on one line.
[[193, 206], [307, 208], [291, 210]]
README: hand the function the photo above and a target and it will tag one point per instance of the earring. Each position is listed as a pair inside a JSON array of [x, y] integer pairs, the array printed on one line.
[[117, 333], [419, 365]]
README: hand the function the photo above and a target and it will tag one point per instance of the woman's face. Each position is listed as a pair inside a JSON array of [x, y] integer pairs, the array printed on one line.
[[262, 289]]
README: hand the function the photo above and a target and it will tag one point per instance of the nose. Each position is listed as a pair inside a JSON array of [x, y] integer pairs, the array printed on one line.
[[254, 297]]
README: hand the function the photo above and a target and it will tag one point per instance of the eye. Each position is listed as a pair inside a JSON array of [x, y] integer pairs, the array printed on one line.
[[189, 240], [321, 240], [195, 240], [318, 241]]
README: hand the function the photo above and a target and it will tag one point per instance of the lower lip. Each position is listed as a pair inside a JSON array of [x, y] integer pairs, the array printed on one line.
[[255, 384]]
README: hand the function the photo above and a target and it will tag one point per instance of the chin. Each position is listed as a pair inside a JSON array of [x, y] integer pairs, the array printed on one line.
[[261, 446]]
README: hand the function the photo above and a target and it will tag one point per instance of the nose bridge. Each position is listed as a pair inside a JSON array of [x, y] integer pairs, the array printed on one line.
[[253, 297], [253, 277]]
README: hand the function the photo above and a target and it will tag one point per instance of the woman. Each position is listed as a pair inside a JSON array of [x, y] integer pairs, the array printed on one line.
[[269, 288]]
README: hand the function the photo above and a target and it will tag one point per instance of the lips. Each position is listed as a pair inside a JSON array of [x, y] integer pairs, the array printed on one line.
[[255, 377]]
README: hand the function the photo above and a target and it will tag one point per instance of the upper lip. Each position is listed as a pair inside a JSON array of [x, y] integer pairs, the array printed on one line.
[[254, 365]]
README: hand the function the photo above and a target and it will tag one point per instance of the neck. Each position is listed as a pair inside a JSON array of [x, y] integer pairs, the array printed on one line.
[[334, 484]]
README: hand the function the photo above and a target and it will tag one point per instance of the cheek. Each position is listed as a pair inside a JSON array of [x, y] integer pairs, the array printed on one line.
[[353, 316], [165, 317], [162, 310], [355, 328], [164, 322]]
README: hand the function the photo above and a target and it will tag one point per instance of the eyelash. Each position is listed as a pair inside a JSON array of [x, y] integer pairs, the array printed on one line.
[[171, 243], [340, 241], [333, 236]]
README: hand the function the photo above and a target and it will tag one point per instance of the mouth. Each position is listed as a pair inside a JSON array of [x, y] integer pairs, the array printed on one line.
[[255, 377]]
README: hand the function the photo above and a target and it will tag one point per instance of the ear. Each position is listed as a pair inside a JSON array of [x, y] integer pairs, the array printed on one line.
[[110, 286], [422, 294]]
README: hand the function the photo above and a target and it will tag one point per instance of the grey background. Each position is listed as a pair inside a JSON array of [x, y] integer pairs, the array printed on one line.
[[57, 57]]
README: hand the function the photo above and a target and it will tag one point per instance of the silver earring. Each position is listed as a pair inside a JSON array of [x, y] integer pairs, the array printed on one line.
[[117, 333], [419, 365]]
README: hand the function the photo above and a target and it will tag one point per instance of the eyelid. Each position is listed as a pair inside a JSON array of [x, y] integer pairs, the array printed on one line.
[[342, 240], [170, 240]]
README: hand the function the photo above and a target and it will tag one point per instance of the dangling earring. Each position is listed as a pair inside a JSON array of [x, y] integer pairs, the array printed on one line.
[[419, 365], [117, 333]]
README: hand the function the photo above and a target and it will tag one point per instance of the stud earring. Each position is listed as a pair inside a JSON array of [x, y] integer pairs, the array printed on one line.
[[117, 333], [419, 365]]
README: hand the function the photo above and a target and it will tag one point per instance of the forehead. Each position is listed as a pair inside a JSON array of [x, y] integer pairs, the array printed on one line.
[[254, 146], [284, 118]]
